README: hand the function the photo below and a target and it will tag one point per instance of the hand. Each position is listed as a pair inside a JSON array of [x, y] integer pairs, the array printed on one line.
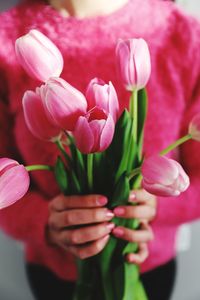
[[65, 229], [144, 211]]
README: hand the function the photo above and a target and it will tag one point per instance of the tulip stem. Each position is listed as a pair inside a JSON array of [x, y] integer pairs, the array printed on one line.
[[39, 168], [177, 143], [134, 114], [90, 171]]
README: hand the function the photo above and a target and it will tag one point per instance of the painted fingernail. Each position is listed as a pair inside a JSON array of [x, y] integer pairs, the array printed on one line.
[[119, 211], [110, 226], [102, 201], [118, 231], [132, 198], [131, 258], [109, 214], [105, 239]]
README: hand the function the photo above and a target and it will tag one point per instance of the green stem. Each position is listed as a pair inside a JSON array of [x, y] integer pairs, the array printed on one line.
[[182, 140], [90, 170], [135, 115], [39, 168]]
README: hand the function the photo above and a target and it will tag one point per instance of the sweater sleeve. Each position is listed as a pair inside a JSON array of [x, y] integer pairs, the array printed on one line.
[[26, 219], [186, 207]]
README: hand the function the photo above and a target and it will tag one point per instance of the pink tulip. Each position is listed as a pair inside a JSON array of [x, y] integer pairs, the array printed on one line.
[[36, 119], [163, 176], [103, 96], [14, 182], [40, 58], [194, 128], [134, 63], [63, 103], [94, 131]]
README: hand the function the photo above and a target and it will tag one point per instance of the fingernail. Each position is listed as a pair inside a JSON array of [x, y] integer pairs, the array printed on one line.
[[101, 201], [109, 214], [131, 258], [105, 239], [118, 231], [132, 198], [110, 226], [119, 211]]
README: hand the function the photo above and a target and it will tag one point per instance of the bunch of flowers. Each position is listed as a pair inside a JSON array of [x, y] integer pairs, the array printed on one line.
[[101, 151]]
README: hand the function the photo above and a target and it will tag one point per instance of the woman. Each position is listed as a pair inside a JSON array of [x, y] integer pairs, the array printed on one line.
[[86, 32]]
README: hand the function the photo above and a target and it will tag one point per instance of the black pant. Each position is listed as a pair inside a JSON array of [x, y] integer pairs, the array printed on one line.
[[46, 286]]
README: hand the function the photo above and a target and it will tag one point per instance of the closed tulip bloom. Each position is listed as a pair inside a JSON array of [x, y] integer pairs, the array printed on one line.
[[163, 176], [94, 132], [63, 103], [39, 56], [36, 118], [103, 96], [14, 182], [134, 65], [194, 128]]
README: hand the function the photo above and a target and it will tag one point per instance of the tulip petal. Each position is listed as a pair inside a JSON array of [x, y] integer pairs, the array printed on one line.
[[142, 63], [39, 56], [7, 163], [65, 104], [183, 181], [36, 119], [96, 127], [159, 169], [13, 185], [83, 136], [107, 133], [194, 128], [160, 190]]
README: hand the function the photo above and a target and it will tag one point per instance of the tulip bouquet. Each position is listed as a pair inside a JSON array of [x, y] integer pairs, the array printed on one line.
[[100, 151]]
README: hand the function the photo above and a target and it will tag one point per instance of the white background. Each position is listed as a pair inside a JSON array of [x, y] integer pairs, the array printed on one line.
[[13, 284]]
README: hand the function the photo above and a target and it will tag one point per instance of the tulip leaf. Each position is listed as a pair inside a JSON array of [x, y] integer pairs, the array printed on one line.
[[131, 278], [117, 152], [121, 192], [142, 113], [61, 175]]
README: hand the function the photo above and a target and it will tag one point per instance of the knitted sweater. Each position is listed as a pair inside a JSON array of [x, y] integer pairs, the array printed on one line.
[[88, 47]]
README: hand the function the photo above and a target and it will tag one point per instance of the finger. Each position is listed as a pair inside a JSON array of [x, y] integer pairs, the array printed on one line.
[[75, 217], [142, 235], [141, 212], [89, 250], [142, 196], [86, 234], [61, 202], [140, 257]]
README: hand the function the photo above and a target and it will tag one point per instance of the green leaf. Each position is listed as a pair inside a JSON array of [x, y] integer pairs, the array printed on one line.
[[131, 282], [61, 175], [142, 113], [122, 191], [117, 152]]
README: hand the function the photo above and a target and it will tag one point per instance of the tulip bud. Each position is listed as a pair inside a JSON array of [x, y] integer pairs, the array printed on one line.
[[14, 182], [94, 131], [194, 128], [134, 65], [36, 119], [103, 96], [40, 57], [63, 103], [163, 176]]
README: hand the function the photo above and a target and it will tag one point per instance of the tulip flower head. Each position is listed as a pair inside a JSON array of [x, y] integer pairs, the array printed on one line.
[[39, 56], [94, 131], [36, 118], [14, 182], [63, 103], [163, 176], [134, 65], [194, 128], [103, 96]]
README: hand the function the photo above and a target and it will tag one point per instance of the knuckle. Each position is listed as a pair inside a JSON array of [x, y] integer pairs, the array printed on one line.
[[69, 218], [52, 222], [74, 237]]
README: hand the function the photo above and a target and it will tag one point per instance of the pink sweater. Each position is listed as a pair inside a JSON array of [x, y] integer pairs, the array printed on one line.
[[88, 49]]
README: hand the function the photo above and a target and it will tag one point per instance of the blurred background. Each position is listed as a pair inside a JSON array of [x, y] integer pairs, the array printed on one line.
[[13, 283]]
